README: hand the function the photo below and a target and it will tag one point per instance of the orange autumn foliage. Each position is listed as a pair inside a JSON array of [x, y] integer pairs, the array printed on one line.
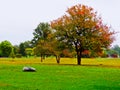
[[81, 27]]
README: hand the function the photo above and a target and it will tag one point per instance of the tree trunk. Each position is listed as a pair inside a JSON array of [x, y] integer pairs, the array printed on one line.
[[41, 58], [79, 57], [58, 59], [79, 52]]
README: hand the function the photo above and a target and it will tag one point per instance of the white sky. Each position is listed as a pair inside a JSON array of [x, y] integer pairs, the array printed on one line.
[[19, 18]]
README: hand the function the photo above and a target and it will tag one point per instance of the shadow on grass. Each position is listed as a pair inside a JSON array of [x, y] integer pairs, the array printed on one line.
[[88, 65]]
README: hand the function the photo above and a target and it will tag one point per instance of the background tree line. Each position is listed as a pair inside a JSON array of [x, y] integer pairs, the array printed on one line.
[[26, 49]]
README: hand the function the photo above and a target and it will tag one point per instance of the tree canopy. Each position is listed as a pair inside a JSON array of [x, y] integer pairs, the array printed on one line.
[[83, 29], [41, 32]]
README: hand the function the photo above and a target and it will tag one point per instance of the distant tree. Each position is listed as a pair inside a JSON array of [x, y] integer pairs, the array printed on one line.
[[114, 51], [117, 49], [83, 29], [22, 49], [5, 48]]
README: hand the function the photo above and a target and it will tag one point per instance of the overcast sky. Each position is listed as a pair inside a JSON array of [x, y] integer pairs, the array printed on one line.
[[19, 18]]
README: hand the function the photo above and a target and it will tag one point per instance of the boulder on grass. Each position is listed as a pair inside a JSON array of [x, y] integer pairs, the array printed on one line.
[[29, 69]]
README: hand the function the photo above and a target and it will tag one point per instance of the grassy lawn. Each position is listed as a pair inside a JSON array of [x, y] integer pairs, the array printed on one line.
[[66, 76]]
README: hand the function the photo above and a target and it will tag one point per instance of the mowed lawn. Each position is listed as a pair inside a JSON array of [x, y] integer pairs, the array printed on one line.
[[94, 74]]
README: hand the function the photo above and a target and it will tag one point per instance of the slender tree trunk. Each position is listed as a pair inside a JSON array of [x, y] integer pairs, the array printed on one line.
[[79, 57], [41, 58], [58, 59]]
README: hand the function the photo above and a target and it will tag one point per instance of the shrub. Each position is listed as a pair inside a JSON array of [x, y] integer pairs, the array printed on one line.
[[18, 55]]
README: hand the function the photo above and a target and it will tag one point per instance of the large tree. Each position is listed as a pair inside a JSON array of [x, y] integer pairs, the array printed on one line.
[[40, 39], [83, 29]]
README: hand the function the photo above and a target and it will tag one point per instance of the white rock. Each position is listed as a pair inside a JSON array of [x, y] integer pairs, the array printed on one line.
[[29, 69]]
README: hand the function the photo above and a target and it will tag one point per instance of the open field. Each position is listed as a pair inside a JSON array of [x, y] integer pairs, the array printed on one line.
[[94, 74]]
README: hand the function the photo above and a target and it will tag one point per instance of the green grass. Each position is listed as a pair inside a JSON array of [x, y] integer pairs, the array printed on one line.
[[66, 76], [59, 77]]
